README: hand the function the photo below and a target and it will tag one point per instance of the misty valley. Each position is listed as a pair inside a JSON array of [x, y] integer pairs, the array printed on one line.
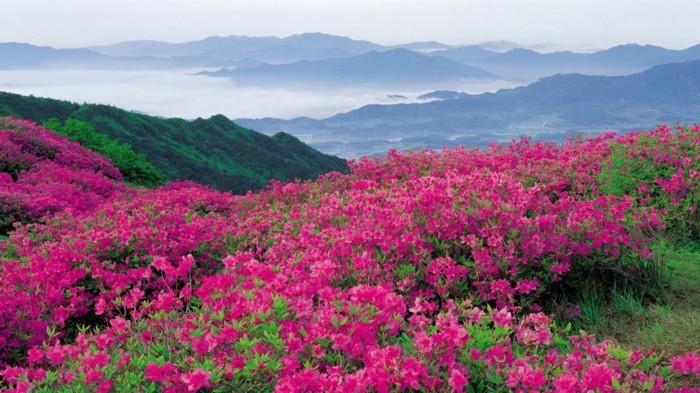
[[354, 98]]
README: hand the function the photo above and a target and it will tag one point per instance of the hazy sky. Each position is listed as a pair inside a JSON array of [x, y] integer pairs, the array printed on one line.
[[574, 23]]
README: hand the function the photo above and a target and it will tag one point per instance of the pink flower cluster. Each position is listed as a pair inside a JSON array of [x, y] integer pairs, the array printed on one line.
[[42, 173], [420, 271]]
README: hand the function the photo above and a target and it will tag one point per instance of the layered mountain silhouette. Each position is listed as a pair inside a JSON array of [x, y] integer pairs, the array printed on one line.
[[558, 104], [338, 60], [307, 46], [527, 64], [400, 67], [14, 55]]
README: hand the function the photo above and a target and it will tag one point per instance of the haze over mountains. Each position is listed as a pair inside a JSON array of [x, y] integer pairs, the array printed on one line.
[[308, 46], [528, 65], [430, 91], [500, 59], [394, 67], [553, 107]]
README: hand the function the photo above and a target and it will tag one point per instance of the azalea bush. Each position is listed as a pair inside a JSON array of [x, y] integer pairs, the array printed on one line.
[[42, 174], [421, 271], [659, 169]]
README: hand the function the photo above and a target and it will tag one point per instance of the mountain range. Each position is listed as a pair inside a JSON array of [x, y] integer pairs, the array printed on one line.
[[208, 52], [21, 56], [213, 151], [15, 55], [553, 106], [394, 67], [256, 59], [529, 65], [307, 46], [622, 87]]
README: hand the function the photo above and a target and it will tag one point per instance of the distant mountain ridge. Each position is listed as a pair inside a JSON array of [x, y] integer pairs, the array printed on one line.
[[15, 55], [213, 151], [307, 46], [508, 60], [527, 64], [23, 56], [395, 66], [559, 104], [442, 95]]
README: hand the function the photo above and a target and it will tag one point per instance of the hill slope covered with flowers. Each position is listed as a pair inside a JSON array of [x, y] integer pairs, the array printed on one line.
[[427, 271]]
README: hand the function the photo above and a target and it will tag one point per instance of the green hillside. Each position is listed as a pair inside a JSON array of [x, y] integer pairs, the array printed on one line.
[[213, 151], [133, 166]]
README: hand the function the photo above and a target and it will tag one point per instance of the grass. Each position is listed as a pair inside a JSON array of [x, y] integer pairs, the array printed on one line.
[[669, 325]]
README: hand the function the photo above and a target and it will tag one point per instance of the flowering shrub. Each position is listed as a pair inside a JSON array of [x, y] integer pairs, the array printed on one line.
[[660, 169], [423, 271], [42, 173]]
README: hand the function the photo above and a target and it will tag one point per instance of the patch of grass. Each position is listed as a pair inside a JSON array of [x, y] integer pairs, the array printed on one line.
[[669, 325]]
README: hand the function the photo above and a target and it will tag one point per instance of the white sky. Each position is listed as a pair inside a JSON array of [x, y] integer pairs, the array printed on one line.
[[573, 23]]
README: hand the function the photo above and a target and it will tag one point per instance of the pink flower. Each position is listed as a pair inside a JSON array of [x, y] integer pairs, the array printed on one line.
[[166, 372], [686, 364], [35, 355], [526, 377], [457, 380], [196, 379], [119, 324], [443, 274], [567, 383], [423, 342], [474, 354], [527, 286], [502, 318], [162, 264], [600, 376], [104, 387], [55, 355], [560, 267]]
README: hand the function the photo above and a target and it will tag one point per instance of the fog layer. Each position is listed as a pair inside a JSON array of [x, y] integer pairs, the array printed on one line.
[[178, 93]]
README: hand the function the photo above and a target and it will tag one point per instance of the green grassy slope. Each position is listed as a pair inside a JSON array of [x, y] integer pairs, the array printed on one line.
[[637, 323], [213, 151]]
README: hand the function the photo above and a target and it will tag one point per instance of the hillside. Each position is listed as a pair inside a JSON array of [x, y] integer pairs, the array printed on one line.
[[135, 168], [462, 270], [43, 174], [395, 67], [213, 151]]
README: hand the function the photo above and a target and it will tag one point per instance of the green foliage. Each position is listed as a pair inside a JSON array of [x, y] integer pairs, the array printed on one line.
[[134, 166], [10, 212], [624, 173], [213, 151], [635, 322], [637, 169]]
